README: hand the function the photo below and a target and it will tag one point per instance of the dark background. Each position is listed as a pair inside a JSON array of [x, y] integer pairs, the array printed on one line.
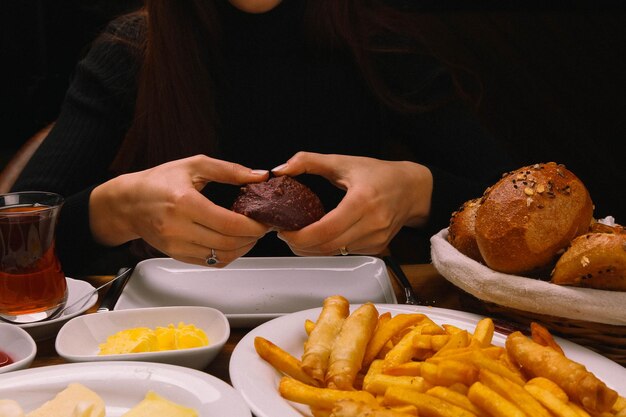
[[553, 84], [40, 43], [552, 80]]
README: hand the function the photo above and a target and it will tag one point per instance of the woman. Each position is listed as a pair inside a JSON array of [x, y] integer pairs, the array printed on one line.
[[179, 104]]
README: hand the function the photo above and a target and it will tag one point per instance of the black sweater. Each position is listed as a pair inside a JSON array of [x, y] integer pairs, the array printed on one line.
[[276, 97]]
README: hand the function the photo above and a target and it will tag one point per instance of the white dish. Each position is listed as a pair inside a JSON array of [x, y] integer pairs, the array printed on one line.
[[79, 339], [524, 293], [253, 290], [49, 328], [123, 384], [19, 345], [257, 381]]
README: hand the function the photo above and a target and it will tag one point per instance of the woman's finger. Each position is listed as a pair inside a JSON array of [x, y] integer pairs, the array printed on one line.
[[222, 257], [204, 169], [204, 212], [329, 166], [348, 243], [334, 224]]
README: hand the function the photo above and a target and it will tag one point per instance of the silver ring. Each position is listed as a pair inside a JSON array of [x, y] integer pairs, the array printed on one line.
[[212, 260], [343, 250]]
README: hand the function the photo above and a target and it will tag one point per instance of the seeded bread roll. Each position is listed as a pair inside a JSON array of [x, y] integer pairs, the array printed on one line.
[[462, 233], [280, 202], [594, 260], [530, 216]]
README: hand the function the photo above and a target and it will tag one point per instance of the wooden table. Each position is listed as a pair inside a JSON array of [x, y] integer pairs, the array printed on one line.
[[431, 288]]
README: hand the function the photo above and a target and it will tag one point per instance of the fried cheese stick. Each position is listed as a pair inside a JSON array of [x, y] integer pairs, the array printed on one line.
[[579, 384], [348, 350], [320, 342]]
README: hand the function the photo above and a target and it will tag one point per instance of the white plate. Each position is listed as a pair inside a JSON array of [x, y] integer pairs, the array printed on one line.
[[80, 338], [257, 381], [523, 293], [253, 290], [49, 328], [123, 384]]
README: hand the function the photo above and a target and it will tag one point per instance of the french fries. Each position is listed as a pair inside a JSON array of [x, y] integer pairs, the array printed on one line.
[[300, 392], [351, 408], [456, 398], [513, 392], [282, 361], [483, 333], [427, 405], [385, 331], [378, 365], [493, 403]]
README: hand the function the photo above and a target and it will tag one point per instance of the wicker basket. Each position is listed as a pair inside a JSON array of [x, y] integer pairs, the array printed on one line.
[[517, 301], [606, 339]]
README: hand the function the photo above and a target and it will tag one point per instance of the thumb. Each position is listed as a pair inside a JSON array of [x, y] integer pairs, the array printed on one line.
[[309, 163], [216, 170]]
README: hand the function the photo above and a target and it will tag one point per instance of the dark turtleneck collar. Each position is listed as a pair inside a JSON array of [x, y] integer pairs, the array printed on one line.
[[276, 30]]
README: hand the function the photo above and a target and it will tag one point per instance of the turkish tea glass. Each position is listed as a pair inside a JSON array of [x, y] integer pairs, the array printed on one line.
[[32, 284]]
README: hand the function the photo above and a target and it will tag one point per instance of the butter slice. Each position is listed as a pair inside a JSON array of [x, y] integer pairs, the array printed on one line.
[[10, 408], [153, 405], [74, 401]]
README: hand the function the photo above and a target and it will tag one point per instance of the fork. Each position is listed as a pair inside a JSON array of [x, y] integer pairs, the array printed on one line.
[[402, 279]]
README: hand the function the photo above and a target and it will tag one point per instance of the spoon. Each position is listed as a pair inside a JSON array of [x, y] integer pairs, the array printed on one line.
[[122, 274], [411, 297]]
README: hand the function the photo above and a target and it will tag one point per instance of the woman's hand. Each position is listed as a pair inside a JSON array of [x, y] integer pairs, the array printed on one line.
[[163, 205], [381, 197]]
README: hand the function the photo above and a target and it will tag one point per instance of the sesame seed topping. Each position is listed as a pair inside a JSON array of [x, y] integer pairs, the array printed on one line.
[[584, 261]]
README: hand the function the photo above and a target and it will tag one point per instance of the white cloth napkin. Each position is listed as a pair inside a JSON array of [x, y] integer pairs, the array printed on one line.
[[525, 294]]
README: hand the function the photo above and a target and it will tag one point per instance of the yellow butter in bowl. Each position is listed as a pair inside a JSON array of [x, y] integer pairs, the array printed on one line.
[[140, 339], [143, 339]]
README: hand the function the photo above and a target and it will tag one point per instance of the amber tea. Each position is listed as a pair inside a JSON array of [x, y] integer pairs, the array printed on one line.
[[32, 283]]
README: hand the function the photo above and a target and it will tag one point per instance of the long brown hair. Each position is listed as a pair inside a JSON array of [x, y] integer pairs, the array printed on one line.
[[174, 113]]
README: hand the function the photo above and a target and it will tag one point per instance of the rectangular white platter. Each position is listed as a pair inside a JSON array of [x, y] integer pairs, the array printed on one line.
[[253, 290]]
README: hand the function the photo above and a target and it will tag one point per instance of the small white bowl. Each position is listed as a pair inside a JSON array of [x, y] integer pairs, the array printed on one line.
[[79, 339], [19, 345]]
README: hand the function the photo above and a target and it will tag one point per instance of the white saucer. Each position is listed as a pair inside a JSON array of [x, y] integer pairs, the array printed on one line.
[[49, 328]]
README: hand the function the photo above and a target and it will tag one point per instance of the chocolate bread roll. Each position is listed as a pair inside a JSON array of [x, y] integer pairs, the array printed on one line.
[[281, 202]]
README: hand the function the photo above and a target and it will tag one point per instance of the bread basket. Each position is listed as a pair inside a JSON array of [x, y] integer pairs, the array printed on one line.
[[592, 318]]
